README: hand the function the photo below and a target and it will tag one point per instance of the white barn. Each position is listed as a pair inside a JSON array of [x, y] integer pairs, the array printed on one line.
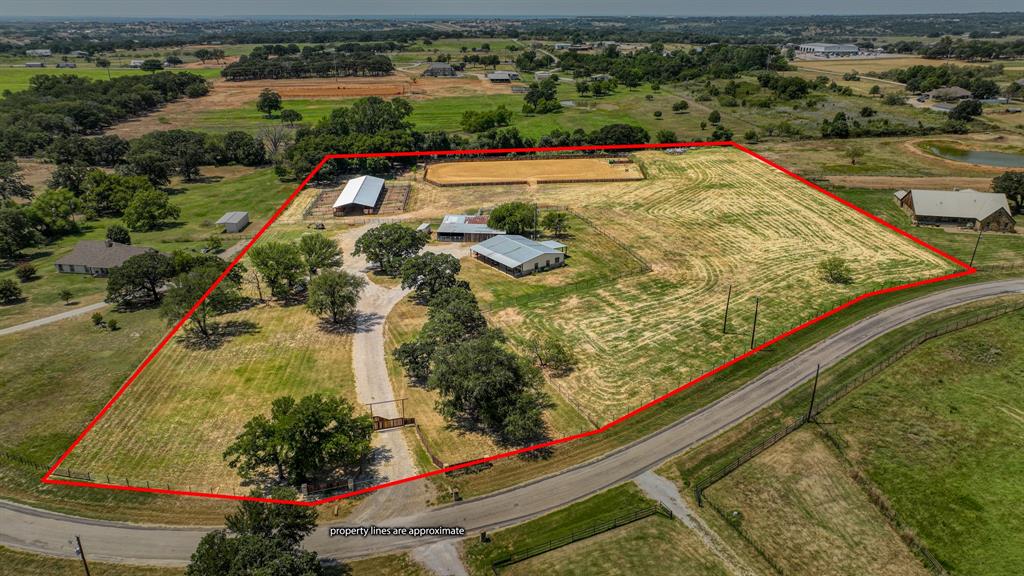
[[361, 195], [519, 256]]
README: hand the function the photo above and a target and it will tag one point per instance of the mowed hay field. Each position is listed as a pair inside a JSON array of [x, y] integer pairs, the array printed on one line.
[[174, 422], [798, 503], [531, 171], [704, 221]]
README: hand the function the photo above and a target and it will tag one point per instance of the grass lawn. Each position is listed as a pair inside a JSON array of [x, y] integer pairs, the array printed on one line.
[[174, 422], [598, 508], [231, 188], [17, 78], [26, 564], [940, 433], [798, 503], [54, 380]]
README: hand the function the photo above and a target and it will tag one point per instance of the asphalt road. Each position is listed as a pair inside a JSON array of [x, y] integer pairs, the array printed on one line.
[[48, 533], [73, 313]]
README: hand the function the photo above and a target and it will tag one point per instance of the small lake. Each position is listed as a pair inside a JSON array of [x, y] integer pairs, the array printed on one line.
[[987, 157]]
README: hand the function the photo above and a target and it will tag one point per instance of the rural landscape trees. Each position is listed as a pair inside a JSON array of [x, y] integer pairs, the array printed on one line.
[[389, 245], [302, 440], [334, 293]]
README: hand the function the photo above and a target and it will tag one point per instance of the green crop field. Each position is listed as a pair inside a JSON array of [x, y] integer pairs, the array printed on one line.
[[202, 203], [939, 433]]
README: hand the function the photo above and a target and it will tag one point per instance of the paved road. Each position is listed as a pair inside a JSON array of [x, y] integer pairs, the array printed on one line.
[[54, 318], [47, 533]]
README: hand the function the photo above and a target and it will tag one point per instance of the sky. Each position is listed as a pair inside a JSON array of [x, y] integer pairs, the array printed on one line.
[[408, 8]]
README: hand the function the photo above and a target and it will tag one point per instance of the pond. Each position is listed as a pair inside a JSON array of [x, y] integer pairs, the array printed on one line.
[[987, 157]]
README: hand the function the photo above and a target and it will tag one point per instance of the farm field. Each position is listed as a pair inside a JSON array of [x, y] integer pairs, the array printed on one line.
[[647, 334], [797, 502], [530, 171], [201, 203], [939, 434], [17, 78]]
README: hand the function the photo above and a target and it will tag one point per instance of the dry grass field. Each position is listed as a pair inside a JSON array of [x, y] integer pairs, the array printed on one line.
[[530, 171], [174, 422], [798, 503], [704, 221]]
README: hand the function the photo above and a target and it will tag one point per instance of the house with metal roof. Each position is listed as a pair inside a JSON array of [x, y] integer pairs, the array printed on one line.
[[465, 228], [97, 257], [502, 76], [234, 221], [949, 93], [983, 211], [519, 256], [361, 195]]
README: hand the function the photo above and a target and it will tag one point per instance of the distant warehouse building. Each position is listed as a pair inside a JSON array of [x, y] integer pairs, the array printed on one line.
[[39, 53], [361, 195], [439, 69], [465, 228], [826, 49], [965, 208], [519, 256]]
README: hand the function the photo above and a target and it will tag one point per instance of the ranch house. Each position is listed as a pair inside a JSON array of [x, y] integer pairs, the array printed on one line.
[[439, 69], [519, 256], [465, 228], [361, 195], [97, 257], [965, 208]]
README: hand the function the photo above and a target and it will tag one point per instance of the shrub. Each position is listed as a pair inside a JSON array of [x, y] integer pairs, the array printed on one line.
[[10, 292], [97, 319], [25, 272], [835, 270], [112, 325]]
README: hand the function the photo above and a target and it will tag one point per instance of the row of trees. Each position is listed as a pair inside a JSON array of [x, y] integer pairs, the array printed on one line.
[[62, 105], [260, 64], [653, 64], [921, 78]]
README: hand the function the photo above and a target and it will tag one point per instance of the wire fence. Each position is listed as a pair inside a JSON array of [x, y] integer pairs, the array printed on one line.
[[581, 534]]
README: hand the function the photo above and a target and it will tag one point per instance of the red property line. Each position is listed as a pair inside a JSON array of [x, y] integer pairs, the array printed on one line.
[[48, 479]]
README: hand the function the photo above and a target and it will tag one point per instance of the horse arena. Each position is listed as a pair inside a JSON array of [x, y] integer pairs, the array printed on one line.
[[491, 172]]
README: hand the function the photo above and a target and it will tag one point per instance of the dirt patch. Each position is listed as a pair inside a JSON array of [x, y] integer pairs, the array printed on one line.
[[531, 171], [896, 182], [35, 173]]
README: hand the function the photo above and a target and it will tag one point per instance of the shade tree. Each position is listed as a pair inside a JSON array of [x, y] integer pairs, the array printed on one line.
[[389, 246]]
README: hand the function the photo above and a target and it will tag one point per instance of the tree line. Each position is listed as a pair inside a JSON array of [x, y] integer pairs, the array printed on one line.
[[309, 62], [63, 105], [921, 78]]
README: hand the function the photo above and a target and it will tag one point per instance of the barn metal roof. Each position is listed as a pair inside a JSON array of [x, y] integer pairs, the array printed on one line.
[[233, 218], [512, 250], [364, 190], [966, 203], [466, 224]]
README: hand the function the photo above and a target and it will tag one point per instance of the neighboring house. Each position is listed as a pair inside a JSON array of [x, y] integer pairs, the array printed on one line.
[[826, 49], [983, 211], [78, 54], [503, 76], [465, 228], [66, 65], [234, 221], [135, 63], [361, 195], [97, 257], [949, 93], [35, 65], [562, 45], [542, 75], [42, 53], [424, 228], [439, 69], [519, 256]]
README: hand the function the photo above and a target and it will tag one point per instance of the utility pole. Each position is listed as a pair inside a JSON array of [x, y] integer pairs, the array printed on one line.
[[814, 392], [81, 554], [976, 246], [753, 330], [728, 299]]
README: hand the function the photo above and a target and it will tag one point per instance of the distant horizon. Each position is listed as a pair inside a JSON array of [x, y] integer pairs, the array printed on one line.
[[128, 10]]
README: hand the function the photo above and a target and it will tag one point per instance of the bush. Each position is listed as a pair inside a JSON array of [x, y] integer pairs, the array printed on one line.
[[112, 325], [657, 113], [119, 234], [10, 292], [894, 100], [25, 272], [97, 319], [835, 270]]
